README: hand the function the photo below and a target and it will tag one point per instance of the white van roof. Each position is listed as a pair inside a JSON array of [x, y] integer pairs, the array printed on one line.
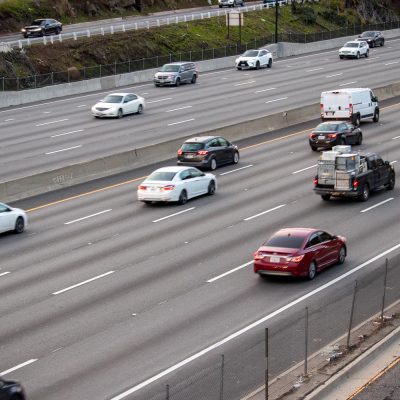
[[348, 90]]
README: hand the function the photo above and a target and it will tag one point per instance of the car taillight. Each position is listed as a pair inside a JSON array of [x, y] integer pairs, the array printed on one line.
[[168, 187], [355, 184], [295, 259], [202, 152], [312, 135], [142, 187], [180, 152], [258, 256], [351, 109], [315, 181], [332, 135]]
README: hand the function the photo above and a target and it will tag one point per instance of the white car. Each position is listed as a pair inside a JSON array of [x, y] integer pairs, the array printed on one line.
[[230, 3], [178, 184], [354, 49], [12, 219], [118, 105], [254, 59]]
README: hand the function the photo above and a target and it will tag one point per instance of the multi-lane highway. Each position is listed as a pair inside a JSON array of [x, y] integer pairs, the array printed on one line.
[[57, 133], [107, 298]]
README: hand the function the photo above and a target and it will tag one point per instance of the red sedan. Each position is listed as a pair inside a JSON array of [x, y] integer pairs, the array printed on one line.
[[299, 252]]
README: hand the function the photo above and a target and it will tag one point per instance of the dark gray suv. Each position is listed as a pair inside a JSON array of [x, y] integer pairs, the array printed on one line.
[[176, 73]]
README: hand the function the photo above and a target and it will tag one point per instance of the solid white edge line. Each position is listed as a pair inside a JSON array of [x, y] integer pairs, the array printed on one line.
[[377, 205], [271, 101], [173, 215], [18, 366], [5, 273], [251, 326], [52, 122], [229, 272], [304, 169], [88, 216], [181, 122], [66, 133], [61, 150], [264, 212], [83, 283], [237, 169], [180, 108]]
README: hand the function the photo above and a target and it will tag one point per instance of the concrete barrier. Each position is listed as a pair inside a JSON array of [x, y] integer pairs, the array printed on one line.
[[106, 166], [111, 82]]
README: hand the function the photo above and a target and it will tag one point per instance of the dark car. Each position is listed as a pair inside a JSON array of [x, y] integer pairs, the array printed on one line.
[[373, 38], [207, 152], [11, 390], [42, 27], [299, 252], [333, 133]]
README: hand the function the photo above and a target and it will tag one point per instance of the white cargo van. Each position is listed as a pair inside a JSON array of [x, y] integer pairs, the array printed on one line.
[[352, 104]]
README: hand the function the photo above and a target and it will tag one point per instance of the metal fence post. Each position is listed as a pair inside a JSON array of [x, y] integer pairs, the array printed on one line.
[[166, 392], [221, 386], [115, 68], [306, 344], [18, 83], [3, 84], [100, 70], [384, 291], [351, 314], [35, 81], [267, 364]]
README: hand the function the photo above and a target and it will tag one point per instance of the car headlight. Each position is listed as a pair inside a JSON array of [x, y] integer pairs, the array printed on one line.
[[23, 30]]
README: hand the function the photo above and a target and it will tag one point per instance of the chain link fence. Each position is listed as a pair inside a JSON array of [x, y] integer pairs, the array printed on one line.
[[116, 68], [308, 328]]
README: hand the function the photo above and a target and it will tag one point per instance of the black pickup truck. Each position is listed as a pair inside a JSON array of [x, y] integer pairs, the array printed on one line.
[[352, 175]]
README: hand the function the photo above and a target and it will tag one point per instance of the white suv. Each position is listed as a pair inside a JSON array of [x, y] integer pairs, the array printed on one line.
[[230, 3], [354, 49], [254, 59]]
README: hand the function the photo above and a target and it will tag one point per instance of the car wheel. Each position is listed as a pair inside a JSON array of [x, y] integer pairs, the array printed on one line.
[[342, 255], [140, 109], [325, 197], [376, 116], [183, 198], [269, 65], [367, 54], [194, 79], [356, 120], [258, 65], [16, 397], [147, 202], [365, 193], [312, 271], [120, 113], [313, 148], [342, 141], [177, 82], [213, 164], [239, 69], [392, 180], [359, 139], [43, 33], [382, 43], [372, 44], [157, 85], [358, 55], [19, 225], [341, 57], [235, 157], [211, 188]]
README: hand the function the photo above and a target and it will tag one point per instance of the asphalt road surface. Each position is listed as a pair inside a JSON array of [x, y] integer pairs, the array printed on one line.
[[107, 298], [57, 133]]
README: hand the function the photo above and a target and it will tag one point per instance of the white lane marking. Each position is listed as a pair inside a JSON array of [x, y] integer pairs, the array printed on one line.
[[271, 101], [9, 119], [314, 69], [66, 149], [173, 215], [264, 90], [46, 112], [237, 169], [331, 76], [244, 83], [52, 122], [88, 216], [348, 83], [247, 328], [18, 366], [372, 58], [181, 122], [264, 212], [66, 133], [84, 282], [157, 101], [180, 108], [396, 137], [304, 169], [229, 272], [377, 205], [81, 105], [5, 273], [393, 62]]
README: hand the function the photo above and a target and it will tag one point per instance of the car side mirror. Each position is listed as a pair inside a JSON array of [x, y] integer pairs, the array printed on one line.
[[387, 163]]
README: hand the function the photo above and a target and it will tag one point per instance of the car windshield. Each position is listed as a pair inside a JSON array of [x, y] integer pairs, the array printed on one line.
[[287, 241], [250, 53], [37, 22], [367, 34], [111, 98], [170, 68], [161, 176], [351, 44], [326, 127], [192, 146]]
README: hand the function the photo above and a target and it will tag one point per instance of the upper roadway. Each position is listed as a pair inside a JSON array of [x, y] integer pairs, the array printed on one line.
[[53, 134], [103, 296]]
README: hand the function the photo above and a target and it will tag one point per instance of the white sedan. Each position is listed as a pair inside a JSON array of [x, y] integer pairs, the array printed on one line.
[[176, 184], [354, 49], [254, 59], [12, 219], [118, 105]]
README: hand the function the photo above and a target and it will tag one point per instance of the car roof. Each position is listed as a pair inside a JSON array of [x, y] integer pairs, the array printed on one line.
[[119, 94], [201, 139], [173, 168], [302, 232]]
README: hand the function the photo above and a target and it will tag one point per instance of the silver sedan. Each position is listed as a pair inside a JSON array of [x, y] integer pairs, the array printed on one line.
[[118, 105]]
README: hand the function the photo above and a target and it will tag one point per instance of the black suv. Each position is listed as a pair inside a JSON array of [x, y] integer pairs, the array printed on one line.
[[373, 38], [41, 27], [11, 390], [207, 152]]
